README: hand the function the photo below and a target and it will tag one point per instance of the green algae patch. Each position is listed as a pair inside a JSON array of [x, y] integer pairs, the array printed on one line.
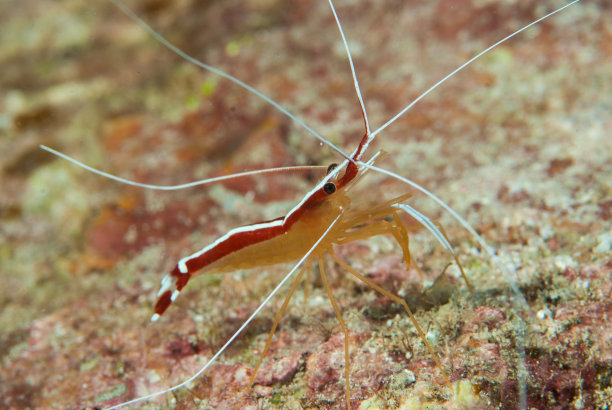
[[114, 392], [54, 192], [89, 363]]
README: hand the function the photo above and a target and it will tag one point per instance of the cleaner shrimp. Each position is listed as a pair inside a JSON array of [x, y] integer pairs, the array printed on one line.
[[181, 349]]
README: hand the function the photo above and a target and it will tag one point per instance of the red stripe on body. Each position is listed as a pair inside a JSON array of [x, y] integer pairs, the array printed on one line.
[[241, 240], [232, 244]]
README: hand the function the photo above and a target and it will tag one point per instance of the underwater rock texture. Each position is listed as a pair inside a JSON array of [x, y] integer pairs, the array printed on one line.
[[518, 144]]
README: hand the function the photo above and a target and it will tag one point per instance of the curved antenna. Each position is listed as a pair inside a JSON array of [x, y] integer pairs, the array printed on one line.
[[223, 74], [244, 325], [180, 186], [462, 66], [355, 80], [438, 233]]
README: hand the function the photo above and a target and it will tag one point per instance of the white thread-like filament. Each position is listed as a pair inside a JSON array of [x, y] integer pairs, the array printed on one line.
[[223, 74], [462, 66], [353, 72], [175, 187]]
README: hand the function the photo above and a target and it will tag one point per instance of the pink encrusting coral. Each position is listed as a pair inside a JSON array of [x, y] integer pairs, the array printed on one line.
[[517, 144]]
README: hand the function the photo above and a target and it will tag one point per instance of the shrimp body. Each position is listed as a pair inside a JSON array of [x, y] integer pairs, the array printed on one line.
[[280, 240], [325, 217]]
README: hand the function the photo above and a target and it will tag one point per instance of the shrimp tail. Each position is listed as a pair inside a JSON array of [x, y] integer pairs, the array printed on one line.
[[171, 286]]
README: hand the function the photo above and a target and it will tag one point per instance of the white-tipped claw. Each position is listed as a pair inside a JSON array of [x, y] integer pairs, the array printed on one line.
[[155, 317]]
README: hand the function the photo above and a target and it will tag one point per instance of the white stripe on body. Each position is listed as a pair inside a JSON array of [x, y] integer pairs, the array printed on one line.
[[182, 264]]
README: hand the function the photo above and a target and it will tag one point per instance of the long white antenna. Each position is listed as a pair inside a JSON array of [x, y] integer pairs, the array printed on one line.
[[244, 325], [462, 66], [223, 74], [180, 186], [350, 58]]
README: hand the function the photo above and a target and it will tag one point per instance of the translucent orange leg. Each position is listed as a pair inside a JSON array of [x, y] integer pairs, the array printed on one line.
[[277, 319], [378, 211], [307, 267], [344, 330], [465, 278], [401, 236], [397, 299], [384, 227], [420, 272], [378, 227], [403, 241], [425, 221]]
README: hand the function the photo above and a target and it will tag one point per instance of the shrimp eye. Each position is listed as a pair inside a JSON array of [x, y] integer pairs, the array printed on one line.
[[329, 188], [331, 168]]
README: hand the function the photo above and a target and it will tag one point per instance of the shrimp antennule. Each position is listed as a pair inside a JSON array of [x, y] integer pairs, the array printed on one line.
[[180, 186]]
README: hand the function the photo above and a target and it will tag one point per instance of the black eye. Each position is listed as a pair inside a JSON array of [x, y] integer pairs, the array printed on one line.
[[331, 168], [329, 188]]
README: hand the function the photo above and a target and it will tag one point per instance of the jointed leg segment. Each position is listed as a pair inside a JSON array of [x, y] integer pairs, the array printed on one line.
[[396, 228], [277, 319], [396, 299], [344, 330], [463, 275]]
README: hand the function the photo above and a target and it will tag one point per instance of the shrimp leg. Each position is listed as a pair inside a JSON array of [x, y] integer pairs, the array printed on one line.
[[438, 232], [277, 319], [380, 227], [347, 369], [396, 299]]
